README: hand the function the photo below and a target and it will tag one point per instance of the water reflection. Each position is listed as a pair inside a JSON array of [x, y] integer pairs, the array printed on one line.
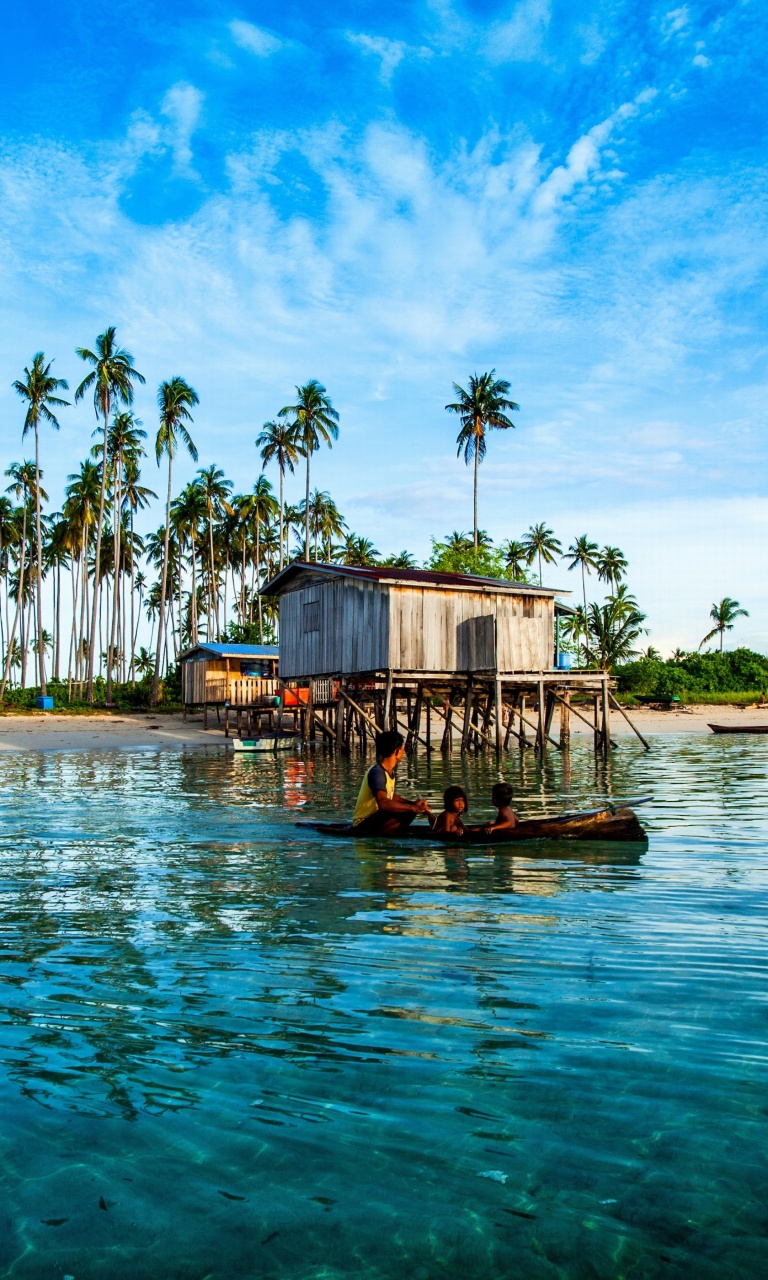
[[382, 1058]]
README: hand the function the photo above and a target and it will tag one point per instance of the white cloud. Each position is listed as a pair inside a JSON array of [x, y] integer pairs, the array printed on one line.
[[701, 60], [254, 39], [583, 159], [676, 22], [389, 52], [520, 38], [181, 106]]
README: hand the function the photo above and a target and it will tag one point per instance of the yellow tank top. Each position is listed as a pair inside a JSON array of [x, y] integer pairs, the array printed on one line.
[[366, 801]]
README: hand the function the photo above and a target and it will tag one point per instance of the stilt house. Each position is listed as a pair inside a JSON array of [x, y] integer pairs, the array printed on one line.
[[241, 675], [336, 620]]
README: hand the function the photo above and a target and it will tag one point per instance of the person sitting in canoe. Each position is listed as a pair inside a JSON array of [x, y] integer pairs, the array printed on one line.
[[449, 823], [506, 818], [379, 810]]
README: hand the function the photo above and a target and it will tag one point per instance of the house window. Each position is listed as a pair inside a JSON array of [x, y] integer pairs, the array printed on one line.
[[528, 602], [311, 616]]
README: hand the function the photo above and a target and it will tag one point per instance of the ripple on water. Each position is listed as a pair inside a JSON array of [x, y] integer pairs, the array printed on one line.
[[231, 1047]]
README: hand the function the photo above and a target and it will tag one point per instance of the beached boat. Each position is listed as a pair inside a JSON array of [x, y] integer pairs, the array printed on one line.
[[610, 823], [269, 742], [739, 728]]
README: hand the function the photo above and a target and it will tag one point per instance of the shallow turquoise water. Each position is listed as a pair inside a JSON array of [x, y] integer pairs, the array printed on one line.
[[232, 1049]]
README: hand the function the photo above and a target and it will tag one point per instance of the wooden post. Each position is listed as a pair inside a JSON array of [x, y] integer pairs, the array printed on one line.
[[307, 716], [596, 719], [467, 714], [205, 715], [498, 707], [565, 720], [619, 708], [339, 717], [521, 711], [510, 722], [607, 744], [550, 704], [446, 742], [226, 719], [541, 736], [429, 724], [387, 702], [414, 720]]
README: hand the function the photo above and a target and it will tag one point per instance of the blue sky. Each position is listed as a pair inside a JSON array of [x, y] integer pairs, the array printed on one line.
[[388, 198]]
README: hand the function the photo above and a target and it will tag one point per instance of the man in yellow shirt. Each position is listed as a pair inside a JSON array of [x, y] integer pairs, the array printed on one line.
[[379, 810]]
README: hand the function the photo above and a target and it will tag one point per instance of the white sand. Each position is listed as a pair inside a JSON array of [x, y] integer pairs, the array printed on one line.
[[46, 731]]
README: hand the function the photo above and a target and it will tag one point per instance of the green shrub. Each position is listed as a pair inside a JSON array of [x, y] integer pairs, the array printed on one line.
[[739, 671]]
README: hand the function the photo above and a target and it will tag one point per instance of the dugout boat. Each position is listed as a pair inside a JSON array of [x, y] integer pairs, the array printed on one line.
[[608, 823], [739, 728]]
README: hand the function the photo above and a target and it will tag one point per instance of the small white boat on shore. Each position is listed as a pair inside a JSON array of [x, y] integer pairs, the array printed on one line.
[[266, 743]]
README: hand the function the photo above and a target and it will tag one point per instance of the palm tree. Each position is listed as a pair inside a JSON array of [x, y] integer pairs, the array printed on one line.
[[80, 510], [111, 379], [277, 441], [358, 552], [215, 489], [517, 559], [541, 542], [678, 655], [123, 443], [613, 629], [313, 419], [25, 479], [583, 554], [480, 408], [261, 508], [136, 498], [175, 398], [188, 516], [611, 566], [404, 560], [39, 389], [724, 615], [9, 537]]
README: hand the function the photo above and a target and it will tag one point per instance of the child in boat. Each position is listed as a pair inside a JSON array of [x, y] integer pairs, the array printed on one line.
[[449, 823], [506, 818]]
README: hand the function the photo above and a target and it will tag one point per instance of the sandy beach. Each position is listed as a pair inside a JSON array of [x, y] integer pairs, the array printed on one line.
[[41, 731]]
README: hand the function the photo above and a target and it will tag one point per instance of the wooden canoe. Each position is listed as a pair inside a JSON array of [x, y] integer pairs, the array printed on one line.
[[597, 824], [268, 743], [739, 728]]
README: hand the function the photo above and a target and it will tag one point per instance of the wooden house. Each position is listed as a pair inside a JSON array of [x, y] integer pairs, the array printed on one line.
[[237, 675], [336, 620]]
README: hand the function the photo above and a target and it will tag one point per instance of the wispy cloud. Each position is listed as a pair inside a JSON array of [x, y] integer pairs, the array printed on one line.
[[181, 107], [520, 38], [254, 39], [390, 53]]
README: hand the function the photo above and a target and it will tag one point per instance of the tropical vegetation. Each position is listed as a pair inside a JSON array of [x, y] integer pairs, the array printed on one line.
[[101, 612]]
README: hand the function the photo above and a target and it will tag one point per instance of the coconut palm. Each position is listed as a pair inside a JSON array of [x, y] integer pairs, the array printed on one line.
[[111, 379], [481, 407], [517, 559], [724, 615], [136, 498], [9, 537], [123, 444], [541, 542], [38, 389], [175, 398], [80, 510], [277, 442], [404, 560], [583, 554], [313, 419], [261, 509], [612, 630], [188, 518], [678, 655], [358, 552], [215, 489], [25, 480], [611, 566]]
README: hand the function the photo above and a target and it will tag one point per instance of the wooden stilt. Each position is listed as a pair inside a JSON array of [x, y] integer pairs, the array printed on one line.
[[385, 718], [521, 713], [339, 717], [550, 712], [621, 710], [565, 720], [205, 715], [467, 715], [414, 719], [541, 736], [596, 721], [446, 743], [498, 709], [606, 709], [226, 721], [429, 724]]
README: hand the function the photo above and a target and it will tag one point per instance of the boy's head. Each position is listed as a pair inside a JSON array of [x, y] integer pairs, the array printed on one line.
[[501, 795], [455, 800], [390, 744]]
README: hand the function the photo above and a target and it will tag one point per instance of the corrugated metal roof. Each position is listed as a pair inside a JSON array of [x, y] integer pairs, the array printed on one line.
[[234, 650], [427, 577]]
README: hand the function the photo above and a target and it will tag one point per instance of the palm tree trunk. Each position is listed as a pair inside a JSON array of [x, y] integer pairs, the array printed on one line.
[[57, 649], [477, 459], [39, 602], [306, 510], [116, 578], [584, 587], [22, 554], [282, 518], [193, 602], [99, 526], [163, 583], [133, 608], [258, 579]]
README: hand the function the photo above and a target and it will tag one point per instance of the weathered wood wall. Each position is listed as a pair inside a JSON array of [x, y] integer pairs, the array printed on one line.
[[434, 630], [331, 627], [343, 626]]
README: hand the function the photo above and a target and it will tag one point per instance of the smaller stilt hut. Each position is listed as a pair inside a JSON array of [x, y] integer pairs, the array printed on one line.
[[243, 677]]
